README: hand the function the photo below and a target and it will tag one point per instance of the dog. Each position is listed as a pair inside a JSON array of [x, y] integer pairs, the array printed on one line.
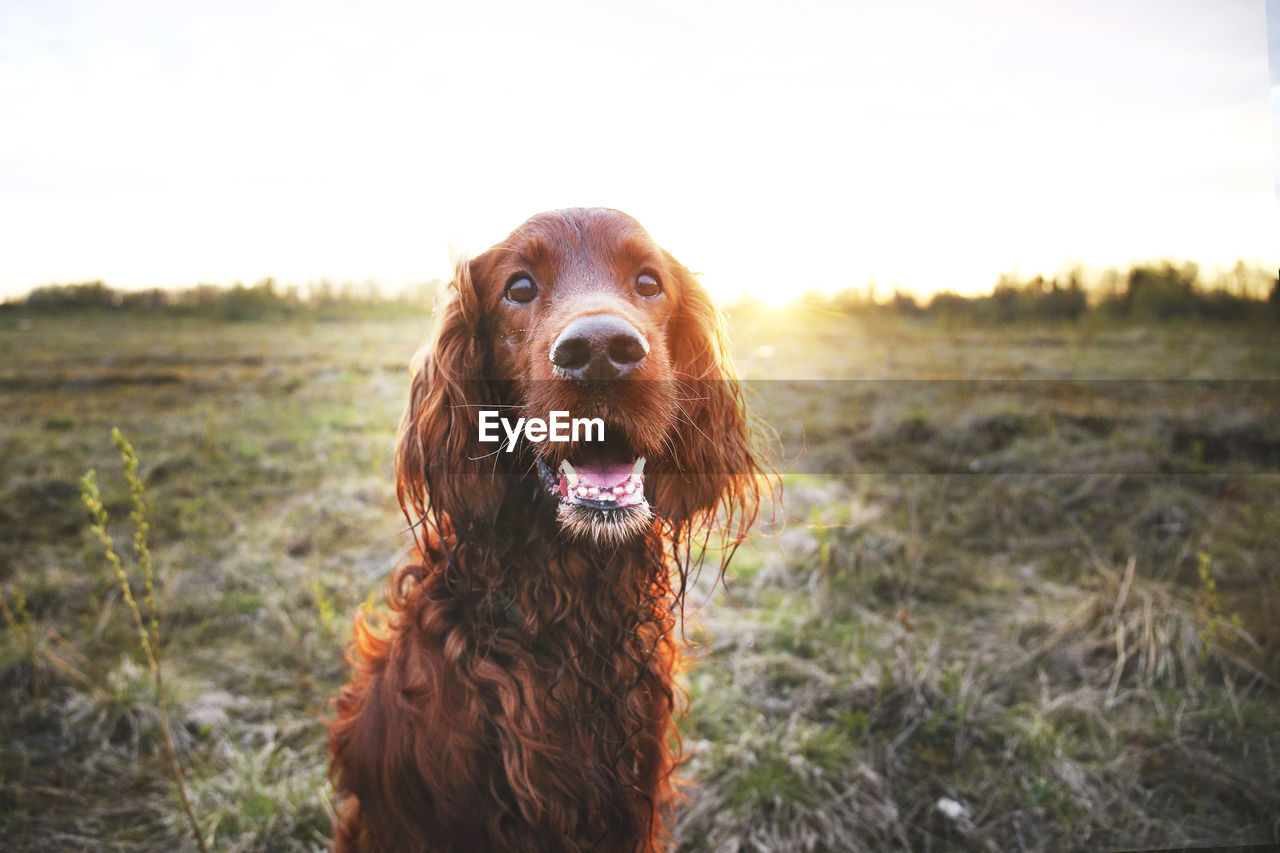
[[521, 694]]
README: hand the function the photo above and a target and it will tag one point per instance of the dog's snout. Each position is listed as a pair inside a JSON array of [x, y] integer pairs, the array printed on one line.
[[599, 346]]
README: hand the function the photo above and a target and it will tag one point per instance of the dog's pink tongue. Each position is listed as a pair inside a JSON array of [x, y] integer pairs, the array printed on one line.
[[603, 476], [605, 482]]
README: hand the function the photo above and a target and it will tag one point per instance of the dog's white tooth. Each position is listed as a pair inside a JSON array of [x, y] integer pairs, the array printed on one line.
[[569, 474], [608, 496], [638, 469], [630, 488], [582, 491]]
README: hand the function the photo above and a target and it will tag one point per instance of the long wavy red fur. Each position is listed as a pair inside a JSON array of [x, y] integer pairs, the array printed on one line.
[[521, 694]]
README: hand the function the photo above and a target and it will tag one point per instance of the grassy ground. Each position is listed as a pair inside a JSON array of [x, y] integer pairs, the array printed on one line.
[[1007, 615]]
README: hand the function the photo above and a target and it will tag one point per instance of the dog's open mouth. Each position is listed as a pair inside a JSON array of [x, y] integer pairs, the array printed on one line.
[[600, 485], [600, 493]]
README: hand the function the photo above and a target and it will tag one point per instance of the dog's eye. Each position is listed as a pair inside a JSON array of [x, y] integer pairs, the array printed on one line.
[[647, 285], [521, 289]]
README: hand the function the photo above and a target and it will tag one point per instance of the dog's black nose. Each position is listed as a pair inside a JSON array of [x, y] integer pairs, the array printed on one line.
[[599, 346]]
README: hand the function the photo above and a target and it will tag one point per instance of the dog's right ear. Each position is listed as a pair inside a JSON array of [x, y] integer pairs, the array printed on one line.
[[441, 466]]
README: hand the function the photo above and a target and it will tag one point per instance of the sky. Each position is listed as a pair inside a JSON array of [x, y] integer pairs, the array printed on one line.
[[776, 148], [1273, 51]]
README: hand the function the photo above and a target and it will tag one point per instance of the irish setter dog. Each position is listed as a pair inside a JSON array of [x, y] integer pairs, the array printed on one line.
[[521, 694]]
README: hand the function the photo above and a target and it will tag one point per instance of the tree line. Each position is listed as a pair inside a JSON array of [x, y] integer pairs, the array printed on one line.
[[1148, 292], [264, 300]]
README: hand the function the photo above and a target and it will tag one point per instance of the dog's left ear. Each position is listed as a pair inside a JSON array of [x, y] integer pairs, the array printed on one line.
[[441, 466], [719, 470]]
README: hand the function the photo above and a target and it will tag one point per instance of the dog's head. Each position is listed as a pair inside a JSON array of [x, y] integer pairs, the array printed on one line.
[[577, 326]]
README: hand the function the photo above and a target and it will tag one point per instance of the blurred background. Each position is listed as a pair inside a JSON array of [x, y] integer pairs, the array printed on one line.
[[1002, 277]]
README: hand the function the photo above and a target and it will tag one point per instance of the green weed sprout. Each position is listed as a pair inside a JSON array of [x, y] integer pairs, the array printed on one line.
[[148, 636], [19, 622], [1211, 607]]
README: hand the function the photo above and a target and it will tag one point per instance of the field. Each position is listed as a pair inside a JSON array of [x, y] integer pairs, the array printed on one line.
[[1022, 592]]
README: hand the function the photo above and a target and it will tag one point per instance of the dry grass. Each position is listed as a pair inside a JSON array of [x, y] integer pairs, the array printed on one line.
[[1061, 651]]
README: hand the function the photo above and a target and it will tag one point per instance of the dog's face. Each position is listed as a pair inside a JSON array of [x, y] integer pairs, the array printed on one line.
[[579, 309], [580, 312]]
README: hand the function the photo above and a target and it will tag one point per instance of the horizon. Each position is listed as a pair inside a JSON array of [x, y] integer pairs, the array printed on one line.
[[776, 154], [1248, 281]]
